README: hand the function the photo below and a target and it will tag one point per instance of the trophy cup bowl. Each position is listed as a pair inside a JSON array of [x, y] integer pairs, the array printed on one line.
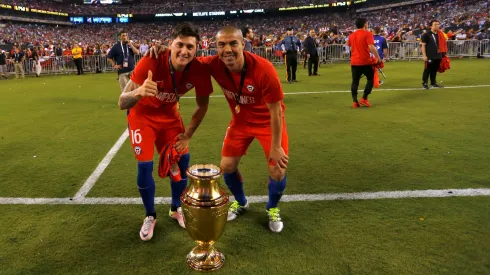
[[205, 207]]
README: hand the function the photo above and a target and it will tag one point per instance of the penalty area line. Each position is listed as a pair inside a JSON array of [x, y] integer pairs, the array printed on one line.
[[92, 179], [441, 193]]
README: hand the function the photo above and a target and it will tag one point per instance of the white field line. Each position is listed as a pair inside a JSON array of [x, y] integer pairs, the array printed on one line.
[[470, 192], [92, 179], [374, 90], [90, 182]]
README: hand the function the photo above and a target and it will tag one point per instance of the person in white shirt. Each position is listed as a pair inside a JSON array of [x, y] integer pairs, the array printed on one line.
[[144, 47]]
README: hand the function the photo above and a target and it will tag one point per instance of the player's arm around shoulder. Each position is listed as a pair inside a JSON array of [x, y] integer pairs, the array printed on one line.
[[204, 87], [140, 85]]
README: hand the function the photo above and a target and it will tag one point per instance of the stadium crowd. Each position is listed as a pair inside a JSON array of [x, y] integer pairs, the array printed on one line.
[[461, 20], [157, 6]]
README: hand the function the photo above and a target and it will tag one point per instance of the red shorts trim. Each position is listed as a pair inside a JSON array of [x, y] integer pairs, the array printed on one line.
[[144, 136], [239, 137]]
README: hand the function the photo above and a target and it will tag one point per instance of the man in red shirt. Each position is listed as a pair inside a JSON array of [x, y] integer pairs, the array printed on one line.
[[254, 93], [361, 44], [152, 100]]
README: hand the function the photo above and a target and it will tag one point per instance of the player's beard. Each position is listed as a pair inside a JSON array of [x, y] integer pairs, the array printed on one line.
[[232, 60]]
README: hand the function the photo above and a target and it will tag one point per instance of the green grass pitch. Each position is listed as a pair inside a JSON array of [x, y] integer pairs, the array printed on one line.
[[56, 129]]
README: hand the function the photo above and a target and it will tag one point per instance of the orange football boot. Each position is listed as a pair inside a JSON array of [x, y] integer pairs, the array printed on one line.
[[364, 102]]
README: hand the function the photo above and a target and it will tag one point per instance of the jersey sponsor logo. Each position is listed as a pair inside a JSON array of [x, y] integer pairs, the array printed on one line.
[[166, 97], [250, 88], [137, 150], [243, 98], [188, 86]]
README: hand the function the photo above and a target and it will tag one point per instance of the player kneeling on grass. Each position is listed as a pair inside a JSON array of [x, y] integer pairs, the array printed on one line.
[[152, 100], [254, 93]]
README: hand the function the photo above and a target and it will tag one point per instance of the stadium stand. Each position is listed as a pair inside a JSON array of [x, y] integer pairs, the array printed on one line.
[[465, 22]]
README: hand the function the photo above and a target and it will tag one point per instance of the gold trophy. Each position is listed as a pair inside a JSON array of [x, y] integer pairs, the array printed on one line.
[[205, 207]]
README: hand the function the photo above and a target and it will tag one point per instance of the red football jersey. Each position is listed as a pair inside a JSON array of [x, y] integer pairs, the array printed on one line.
[[162, 108], [261, 86], [358, 43]]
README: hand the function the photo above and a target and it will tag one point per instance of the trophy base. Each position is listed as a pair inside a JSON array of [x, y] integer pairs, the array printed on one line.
[[205, 259]]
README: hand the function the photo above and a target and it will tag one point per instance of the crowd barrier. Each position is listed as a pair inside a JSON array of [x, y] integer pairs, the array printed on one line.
[[327, 54]]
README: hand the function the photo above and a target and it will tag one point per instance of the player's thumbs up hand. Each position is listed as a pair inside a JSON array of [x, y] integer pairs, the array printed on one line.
[[149, 87]]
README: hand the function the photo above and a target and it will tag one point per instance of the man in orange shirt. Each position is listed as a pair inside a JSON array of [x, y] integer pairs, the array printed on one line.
[[361, 44]]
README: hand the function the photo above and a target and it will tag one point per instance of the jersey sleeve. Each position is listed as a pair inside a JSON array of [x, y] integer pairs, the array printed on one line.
[[424, 39], [203, 84], [270, 84], [140, 73], [370, 38], [112, 51], [385, 45]]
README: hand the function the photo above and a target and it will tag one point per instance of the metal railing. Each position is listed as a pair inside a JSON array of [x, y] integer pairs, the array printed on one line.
[[327, 54]]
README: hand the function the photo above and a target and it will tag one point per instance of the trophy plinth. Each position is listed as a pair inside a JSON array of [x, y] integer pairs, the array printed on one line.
[[205, 207]]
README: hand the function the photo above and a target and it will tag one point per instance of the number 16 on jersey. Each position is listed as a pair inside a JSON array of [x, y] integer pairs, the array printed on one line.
[[135, 136]]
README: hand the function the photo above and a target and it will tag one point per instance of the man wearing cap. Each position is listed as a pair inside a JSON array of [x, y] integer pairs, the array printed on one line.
[[290, 46]]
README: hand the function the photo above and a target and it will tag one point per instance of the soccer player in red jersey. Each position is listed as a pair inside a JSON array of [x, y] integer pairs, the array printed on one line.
[[152, 100], [254, 93], [361, 44]]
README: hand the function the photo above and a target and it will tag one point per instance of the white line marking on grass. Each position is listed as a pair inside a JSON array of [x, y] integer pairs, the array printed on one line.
[[90, 182], [470, 192], [374, 90]]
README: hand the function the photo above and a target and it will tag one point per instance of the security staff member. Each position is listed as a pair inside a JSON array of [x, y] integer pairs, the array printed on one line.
[[311, 53], [432, 56], [290, 47], [76, 52]]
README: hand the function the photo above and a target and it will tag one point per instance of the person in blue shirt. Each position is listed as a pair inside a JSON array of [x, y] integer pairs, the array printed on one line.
[[248, 36], [381, 45], [121, 56], [290, 46]]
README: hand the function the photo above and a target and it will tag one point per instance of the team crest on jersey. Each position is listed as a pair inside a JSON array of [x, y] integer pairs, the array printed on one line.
[[188, 86], [250, 88], [137, 150]]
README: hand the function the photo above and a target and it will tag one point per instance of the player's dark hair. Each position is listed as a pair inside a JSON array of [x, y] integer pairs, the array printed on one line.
[[377, 30], [432, 22], [245, 30], [122, 31], [360, 22], [186, 29]]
